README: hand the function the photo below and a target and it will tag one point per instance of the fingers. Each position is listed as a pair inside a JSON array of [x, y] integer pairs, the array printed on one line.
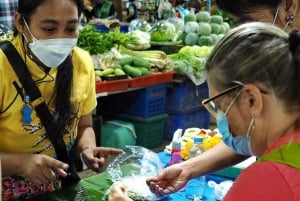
[[117, 188], [98, 158], [58, 167]]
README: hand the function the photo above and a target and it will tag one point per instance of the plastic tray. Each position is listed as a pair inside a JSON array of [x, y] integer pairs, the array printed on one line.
[[155, 78], [113, 85]]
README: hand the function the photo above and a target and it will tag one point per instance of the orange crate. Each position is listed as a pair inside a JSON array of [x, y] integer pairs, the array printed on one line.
[[155, 78], [113, 85]]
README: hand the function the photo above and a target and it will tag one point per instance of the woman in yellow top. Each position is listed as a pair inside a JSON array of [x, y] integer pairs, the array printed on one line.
[[45, 38]]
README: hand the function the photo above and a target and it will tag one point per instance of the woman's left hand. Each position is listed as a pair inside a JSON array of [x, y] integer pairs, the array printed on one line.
[[98, 158]]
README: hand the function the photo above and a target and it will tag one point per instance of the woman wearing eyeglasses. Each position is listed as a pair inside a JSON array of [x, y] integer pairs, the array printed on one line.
[[256, 101]]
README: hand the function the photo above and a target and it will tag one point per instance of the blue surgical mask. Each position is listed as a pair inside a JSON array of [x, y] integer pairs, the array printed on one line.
[[240, 144]]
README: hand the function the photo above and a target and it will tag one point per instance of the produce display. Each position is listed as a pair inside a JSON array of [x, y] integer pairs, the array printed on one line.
[[119, 55], [96, 42], [190, 61], [203, 29], [164, 31], [132, 64], [211, 138]]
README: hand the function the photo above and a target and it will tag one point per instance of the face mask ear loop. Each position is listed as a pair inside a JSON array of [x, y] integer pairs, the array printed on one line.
[[276, 15], [27, 29], [251, 126], [233, 100]]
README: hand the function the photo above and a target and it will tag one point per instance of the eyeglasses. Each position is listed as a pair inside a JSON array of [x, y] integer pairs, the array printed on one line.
[[211, 107]]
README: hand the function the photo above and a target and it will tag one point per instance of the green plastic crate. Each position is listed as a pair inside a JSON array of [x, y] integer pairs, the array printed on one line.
[[149, 131]]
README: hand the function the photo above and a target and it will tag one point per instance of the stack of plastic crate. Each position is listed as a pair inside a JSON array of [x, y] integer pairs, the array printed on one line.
[[144, 108], [184, 109]]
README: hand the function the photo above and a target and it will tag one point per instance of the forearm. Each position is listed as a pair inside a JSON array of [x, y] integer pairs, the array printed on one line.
[[85, 136], [212, 160], [11, 163]]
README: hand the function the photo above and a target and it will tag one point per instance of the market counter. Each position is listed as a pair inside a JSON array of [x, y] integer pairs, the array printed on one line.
[[94, 187]]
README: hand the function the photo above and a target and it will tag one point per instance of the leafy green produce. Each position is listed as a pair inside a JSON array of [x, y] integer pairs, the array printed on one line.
[[96, 42], [164, 31], [205, 41], [195, 63], [215, 28], [203, 16], [189, 17], [204, 29], [191, 39], [190, 27], [218, 19]]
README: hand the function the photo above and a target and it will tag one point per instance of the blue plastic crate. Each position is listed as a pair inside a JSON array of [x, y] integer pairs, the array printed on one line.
[[185, 96], [104, 29], [198, 118], [144, 103]]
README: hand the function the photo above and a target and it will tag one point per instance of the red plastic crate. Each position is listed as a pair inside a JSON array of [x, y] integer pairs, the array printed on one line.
[[155, 78], [113, 85]]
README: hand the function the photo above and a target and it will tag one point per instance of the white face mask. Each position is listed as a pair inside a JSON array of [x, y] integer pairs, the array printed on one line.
[[51, 52]]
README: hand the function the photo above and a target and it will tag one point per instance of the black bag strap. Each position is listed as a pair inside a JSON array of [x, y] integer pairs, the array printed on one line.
[[44, 114]]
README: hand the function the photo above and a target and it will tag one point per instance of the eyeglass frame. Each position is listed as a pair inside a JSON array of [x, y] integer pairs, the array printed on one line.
[[208, 100]]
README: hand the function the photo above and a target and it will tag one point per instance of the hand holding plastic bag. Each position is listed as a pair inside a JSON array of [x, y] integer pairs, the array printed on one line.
[[132, 168]]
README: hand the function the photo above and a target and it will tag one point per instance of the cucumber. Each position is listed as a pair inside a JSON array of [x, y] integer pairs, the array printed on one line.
[[98, 72], [107, 71], [126, 61], [117, 66], [140, 61], [119, 71], [132, 71], [144, 70]]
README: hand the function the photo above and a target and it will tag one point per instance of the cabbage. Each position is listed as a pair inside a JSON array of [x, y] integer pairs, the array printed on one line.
[[139, 24], [164, 31]]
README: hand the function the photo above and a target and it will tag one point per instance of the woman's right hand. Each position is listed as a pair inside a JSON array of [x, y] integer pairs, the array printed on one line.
[[118, 193], [41, 169], [169, 180]]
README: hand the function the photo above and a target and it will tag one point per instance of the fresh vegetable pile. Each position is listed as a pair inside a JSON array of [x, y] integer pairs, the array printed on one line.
[[131, 64], [96, 42], [164, 31], [203, 29], [190, 62]]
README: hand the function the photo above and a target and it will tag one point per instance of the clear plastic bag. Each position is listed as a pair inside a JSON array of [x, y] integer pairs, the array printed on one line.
[[220, 190], [132, 168]]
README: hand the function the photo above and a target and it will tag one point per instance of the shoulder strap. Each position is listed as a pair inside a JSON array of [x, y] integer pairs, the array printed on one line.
[[29, 85], [39, 104]]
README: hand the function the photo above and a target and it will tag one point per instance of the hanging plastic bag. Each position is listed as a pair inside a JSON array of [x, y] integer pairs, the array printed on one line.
[[164, 9], [131, 169]]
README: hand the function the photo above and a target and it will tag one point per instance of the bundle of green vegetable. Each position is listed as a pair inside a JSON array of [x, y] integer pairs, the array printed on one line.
[[96, 42], [159, 61], [164, 31], [190, 62], [138, 40]]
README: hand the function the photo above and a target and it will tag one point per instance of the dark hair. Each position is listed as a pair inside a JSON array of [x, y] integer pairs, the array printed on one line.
[[258, 53], [64, 78], [27, 7], [243, 7]]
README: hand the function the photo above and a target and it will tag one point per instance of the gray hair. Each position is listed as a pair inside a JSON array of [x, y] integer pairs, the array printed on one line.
[[258, 53]]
